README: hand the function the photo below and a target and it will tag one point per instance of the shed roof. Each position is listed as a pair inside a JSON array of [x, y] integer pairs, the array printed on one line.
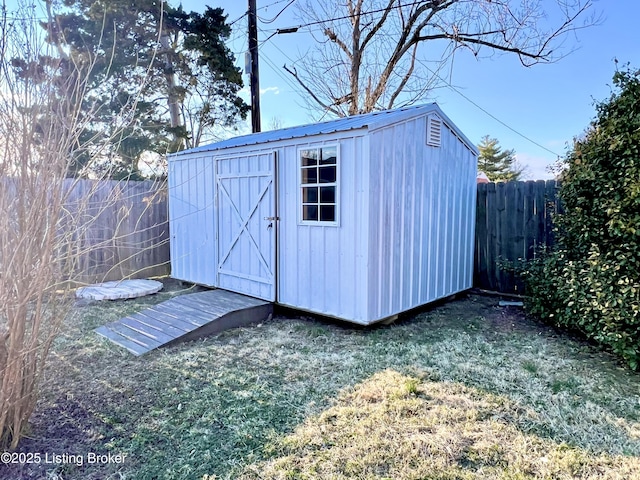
[[370, 121]]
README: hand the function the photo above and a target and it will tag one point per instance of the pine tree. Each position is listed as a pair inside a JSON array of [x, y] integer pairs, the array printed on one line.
[[498, 165], [171, 70]]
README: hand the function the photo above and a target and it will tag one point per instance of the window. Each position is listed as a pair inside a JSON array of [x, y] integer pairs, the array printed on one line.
[[318, 183]]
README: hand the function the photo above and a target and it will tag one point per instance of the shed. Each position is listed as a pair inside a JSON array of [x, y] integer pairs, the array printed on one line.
[[359, 218]]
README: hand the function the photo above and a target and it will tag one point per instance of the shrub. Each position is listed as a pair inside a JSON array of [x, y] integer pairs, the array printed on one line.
[[43, 113], [590, 281]]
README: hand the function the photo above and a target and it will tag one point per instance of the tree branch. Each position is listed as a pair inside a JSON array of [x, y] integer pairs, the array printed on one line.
[[376, 55], [405, 79], [331, 35], [326, 107], [376, 28], [407, 40], [462, 39]]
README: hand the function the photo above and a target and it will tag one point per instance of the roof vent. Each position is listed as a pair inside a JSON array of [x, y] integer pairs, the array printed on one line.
[[434, 130]]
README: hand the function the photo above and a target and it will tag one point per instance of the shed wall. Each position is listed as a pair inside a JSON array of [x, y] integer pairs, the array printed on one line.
[[421, 218], [320, 268], [405, 232], [323, 268]]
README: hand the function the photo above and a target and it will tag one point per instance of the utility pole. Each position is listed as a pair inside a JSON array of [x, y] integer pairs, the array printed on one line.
[[254, 74]]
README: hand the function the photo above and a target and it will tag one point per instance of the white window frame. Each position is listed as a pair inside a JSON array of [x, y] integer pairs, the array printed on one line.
[[336, 184]]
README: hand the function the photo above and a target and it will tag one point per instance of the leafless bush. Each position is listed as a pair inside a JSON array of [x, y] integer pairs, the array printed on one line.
[[40, 125]]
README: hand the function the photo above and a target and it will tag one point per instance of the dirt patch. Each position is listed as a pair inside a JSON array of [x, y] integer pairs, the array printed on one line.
[[61, 433], [486, 314]]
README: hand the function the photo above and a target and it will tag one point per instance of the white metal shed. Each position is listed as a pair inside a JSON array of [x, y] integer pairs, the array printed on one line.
[[359, 218]]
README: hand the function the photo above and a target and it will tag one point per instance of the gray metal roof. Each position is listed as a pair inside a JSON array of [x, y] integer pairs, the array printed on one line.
[[370, 121]]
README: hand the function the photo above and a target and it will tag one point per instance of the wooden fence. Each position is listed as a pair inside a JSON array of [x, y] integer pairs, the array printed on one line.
[[513, 221], [120, 229]]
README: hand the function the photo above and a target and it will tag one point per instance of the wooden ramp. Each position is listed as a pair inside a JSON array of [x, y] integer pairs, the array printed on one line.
[[186, 317]]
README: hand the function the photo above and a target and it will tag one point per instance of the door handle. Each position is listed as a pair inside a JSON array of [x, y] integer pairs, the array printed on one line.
[[272, 218]]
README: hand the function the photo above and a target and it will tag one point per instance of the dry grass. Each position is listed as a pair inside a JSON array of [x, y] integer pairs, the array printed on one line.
[[392, 426], [481, 389]]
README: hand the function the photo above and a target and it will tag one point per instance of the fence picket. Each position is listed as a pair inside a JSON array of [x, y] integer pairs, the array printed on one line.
[[552, 205], [492, 236], [122, 229], [480, 276]]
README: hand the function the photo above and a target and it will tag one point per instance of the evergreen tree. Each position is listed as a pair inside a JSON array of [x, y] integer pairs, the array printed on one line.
[[498, 165], [167, 69]]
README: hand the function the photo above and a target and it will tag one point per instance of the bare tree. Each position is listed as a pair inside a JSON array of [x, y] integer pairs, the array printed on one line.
[[276, 123], [384, 53]]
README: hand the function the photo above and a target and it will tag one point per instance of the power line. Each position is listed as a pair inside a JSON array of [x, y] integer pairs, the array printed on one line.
[[493, 116], [272, 4], [278, 48], [448, 84], [238, 19], [278, 14], [238, 37], [262, 8], [275, 69], [344, 17]]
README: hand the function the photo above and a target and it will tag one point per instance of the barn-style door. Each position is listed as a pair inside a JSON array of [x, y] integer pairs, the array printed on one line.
[[247, 225]]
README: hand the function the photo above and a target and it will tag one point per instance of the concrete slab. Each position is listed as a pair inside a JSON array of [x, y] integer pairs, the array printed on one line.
[[119, 290]]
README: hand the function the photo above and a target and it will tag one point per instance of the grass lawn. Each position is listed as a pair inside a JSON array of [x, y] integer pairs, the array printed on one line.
[[462, 390]]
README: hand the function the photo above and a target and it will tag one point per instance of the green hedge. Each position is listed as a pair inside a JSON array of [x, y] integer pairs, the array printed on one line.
[[593, 296], [590, 282]]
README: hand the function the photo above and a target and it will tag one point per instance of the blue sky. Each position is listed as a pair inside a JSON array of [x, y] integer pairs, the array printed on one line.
[[550, 104]]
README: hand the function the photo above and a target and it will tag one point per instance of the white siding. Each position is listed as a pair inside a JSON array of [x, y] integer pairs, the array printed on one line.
[[422, 213], [192, 220], [322, 269]]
